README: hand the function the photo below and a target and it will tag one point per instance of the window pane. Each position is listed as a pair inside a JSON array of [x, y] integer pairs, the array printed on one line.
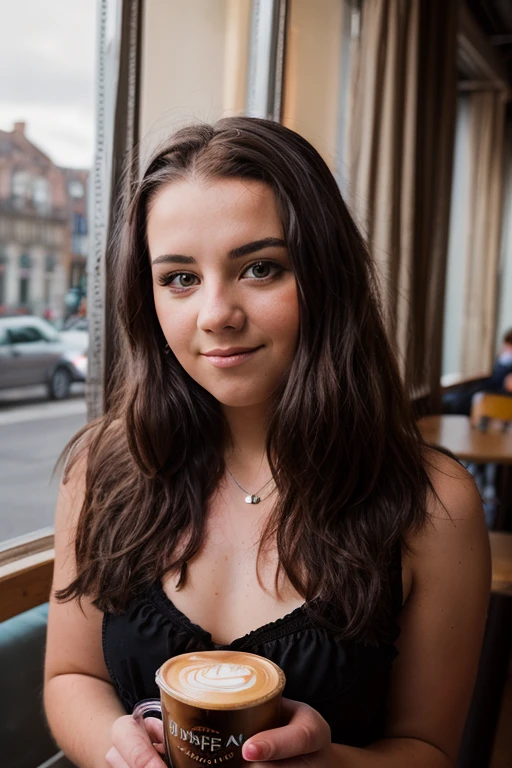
[[24, 335], [46, 150]]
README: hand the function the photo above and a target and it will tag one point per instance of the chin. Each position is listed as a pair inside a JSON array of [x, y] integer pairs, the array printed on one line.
[[240, 399]]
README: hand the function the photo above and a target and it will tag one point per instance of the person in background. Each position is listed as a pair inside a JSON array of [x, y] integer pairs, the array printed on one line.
[[499, 382], [258, 481]]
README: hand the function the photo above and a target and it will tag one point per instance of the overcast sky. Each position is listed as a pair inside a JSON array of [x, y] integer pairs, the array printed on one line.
[[47, 71]]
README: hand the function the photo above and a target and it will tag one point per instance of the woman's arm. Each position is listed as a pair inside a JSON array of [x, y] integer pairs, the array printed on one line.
[[442, 625], [80, 702]]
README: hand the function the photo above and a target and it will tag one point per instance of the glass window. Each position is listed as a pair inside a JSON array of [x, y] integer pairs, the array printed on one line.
[[20, 184], [25, 261], [50, 262], [41, 193], [80, 224], [47, 127], [24, 299], [26, 334], [76, 189], [3, 275], [456, 264]]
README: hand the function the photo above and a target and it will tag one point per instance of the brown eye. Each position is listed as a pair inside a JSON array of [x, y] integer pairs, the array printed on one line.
[[177, 280], [185, 279], [263, 269]]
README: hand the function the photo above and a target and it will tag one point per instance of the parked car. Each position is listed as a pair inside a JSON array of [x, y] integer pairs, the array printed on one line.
[[33, 352], [75, 332]]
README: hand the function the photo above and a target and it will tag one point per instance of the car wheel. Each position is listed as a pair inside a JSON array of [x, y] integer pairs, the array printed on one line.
[[60, 384]]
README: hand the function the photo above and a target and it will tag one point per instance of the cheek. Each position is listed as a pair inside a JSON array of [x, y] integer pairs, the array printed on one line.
[[282, 317], [175, 325]]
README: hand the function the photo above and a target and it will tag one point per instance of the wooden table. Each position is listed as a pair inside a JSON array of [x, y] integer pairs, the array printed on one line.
[[466, 442]]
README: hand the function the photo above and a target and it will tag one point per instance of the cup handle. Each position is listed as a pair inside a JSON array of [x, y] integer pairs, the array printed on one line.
[[147, 707]]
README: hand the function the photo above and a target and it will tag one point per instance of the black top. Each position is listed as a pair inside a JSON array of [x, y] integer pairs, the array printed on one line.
[[347, 682]]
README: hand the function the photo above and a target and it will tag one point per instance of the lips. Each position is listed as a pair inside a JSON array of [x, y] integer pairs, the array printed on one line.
[[229, 352], [230, 357]]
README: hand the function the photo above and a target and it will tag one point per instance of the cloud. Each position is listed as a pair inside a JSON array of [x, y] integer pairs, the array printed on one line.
[[47, 60]]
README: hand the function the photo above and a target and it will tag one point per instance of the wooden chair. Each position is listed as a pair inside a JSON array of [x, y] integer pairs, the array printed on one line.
[[487, 407], [491, 411]]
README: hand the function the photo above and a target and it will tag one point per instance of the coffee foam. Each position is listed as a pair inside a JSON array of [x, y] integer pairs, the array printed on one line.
[[221, 679]]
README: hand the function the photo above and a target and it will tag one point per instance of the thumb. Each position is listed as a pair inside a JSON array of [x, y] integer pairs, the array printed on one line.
[[134, 744]]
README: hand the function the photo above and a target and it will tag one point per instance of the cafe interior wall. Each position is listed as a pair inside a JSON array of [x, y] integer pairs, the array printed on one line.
[[194, 64]]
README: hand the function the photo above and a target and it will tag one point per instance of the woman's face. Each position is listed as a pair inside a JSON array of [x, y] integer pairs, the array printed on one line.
[[225, 293]]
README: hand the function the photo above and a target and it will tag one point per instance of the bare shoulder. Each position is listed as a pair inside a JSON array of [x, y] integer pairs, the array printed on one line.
[[454, 540], [456, 496], [448, 567], [74, 628]]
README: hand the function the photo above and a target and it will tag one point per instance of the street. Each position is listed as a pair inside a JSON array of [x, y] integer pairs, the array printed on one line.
[[33, 432]]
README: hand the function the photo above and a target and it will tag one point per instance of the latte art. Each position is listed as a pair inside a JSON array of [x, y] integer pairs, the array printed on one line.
[[221, 679], [230, 678]]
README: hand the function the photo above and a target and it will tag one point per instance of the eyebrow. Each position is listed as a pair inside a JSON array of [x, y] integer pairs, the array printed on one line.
[[235, 253]]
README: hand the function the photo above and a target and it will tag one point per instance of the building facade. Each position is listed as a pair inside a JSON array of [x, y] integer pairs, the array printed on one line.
[[43, 228]]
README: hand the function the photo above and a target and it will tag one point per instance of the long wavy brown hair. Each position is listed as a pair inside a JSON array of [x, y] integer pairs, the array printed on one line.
[[342, 444]]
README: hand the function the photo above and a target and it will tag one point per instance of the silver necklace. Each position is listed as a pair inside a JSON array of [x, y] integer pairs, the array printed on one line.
[[253, 498]]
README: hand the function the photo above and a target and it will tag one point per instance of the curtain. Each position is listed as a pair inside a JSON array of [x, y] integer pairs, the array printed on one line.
[[486, 158], [400, 156]]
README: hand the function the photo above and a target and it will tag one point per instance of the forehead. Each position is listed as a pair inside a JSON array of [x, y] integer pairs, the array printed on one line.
[[192, 210]]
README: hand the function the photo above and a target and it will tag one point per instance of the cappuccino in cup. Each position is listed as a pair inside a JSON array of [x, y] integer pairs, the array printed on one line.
[[213, 701]]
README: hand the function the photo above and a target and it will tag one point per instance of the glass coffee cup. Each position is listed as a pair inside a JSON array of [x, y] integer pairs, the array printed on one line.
[[211, 702]]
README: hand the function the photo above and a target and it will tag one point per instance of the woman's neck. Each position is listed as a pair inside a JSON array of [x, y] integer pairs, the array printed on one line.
[[246, 457]]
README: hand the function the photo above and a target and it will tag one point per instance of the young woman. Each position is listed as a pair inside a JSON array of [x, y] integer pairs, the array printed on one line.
[[254, 368]]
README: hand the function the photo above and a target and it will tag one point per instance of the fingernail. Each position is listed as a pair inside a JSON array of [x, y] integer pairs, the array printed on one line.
[[256, 750]]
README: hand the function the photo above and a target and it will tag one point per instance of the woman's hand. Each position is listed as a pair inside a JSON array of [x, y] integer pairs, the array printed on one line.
[[304, 741], [136, 746]]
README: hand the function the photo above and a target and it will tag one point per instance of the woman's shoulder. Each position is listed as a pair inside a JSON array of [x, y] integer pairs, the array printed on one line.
[[453, 493], [452, 547]]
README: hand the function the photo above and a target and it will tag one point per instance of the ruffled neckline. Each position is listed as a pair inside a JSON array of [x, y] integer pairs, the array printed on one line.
[[291, 622]]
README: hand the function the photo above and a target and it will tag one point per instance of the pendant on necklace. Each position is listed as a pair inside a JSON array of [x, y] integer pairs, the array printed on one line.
[[252, 499]]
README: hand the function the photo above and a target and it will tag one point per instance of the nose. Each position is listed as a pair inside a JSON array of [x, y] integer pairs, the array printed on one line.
[[220, 310]]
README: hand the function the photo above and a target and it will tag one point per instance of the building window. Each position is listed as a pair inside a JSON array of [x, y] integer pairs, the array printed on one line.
[[20, 184], [25, 271], [76, 189], [49, 268], [79, 224], [41, 194], [3, 270], [24, 291]]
